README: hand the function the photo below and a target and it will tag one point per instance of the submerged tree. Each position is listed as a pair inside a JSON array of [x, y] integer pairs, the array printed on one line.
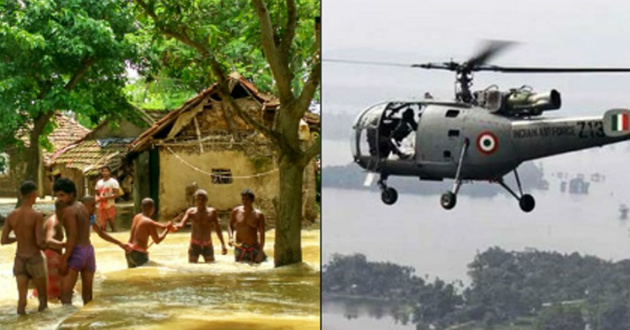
[[273, 42]]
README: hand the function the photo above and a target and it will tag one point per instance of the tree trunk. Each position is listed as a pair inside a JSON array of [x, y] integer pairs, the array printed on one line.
[[309, 210], [288, 249]]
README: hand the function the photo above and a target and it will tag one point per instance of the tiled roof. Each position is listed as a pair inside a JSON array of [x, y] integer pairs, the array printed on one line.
[[67, 131], [89, 155]]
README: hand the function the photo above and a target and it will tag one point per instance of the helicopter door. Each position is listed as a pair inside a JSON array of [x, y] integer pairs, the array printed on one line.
[[440, 135], [365, 137]]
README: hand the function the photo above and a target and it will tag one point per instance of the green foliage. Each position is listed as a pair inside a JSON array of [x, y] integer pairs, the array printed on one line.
[[63, 55], [231, 33], [506, 288], [560, 317]]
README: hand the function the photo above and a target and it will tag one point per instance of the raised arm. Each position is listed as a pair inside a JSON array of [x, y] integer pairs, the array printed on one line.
[[108, 238], [153, 231], [185, 218], [6, 230]]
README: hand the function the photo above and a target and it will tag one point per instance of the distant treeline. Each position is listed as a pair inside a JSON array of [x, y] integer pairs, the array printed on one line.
[[541, 290], [351, 176]]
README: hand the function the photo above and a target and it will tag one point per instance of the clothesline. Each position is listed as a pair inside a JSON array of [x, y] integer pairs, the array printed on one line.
[[219, 175]]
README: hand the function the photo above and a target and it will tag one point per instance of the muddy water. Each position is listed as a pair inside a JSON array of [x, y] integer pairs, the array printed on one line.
[[169, 293]]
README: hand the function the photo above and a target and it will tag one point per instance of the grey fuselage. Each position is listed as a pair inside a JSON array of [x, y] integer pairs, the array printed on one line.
[[496, 144]]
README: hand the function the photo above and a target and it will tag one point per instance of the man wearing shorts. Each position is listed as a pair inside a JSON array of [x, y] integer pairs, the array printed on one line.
[[248, 223], [29, 263], [107, 190], [78, 257], [204, 219], [142, 228]]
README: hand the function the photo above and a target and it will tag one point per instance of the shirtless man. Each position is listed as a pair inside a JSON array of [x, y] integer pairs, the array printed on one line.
[[248, 223], [29, 264], [141, 228], [54, 245], [204, 219], [78, 257]]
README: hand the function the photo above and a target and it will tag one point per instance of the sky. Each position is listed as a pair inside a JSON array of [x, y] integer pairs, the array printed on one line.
[[548, 33]]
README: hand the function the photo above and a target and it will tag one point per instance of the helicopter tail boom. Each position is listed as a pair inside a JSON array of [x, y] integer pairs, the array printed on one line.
[[534, 139]]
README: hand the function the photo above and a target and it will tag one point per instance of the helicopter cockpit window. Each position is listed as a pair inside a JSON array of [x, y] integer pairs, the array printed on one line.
[[387, 130]]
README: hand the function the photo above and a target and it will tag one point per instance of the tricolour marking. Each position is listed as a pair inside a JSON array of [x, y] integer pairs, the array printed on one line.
[[616, 122], [487, 143]]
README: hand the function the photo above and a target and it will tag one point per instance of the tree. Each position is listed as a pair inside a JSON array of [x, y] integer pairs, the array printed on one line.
[[61, 55], [560, 317], [273, 42]]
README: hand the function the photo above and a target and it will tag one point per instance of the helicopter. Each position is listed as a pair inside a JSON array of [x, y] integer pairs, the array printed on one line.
[[480, 135]]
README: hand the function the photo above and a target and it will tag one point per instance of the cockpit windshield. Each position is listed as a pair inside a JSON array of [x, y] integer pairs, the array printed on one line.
[[386, 130]]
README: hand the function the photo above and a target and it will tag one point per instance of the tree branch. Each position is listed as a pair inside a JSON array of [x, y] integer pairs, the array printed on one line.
[[279, 68], [85, 65], [312, 151], [218, 71], [289, 34], [310, 87]]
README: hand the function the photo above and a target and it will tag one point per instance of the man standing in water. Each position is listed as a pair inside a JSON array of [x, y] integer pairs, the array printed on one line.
[[142, 227], [107, 190], [54, 246], [78, 257], [248, 223], [29, 264], [204, 219]]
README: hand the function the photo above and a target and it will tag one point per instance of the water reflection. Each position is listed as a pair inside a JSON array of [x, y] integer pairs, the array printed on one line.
[[170, 293], [392, 312]]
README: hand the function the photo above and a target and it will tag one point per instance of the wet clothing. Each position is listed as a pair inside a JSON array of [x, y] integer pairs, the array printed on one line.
[[137, 257], [246, 252], [198, 248], [53, 261], [105, 213], [32, 267], [82, 258]]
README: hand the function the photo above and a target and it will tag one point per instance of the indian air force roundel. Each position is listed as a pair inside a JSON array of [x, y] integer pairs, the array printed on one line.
[[487, 143]]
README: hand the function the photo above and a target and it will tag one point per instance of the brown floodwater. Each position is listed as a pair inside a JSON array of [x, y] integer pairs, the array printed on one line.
[[170, 293]]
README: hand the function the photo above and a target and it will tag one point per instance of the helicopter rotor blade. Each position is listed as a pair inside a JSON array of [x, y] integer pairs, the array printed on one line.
[[491, 49], [368, 62], [547, 70]]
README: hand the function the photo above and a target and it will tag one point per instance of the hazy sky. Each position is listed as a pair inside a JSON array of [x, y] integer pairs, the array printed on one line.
[[549, 33]]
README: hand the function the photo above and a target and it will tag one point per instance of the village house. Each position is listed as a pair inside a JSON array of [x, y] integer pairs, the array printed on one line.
[[203, 145], [107, 144], [66, 131]]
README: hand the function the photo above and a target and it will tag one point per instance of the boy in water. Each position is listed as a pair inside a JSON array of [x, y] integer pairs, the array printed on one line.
[[204, 219], [249, 223], [29, 264], [142, 228]]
